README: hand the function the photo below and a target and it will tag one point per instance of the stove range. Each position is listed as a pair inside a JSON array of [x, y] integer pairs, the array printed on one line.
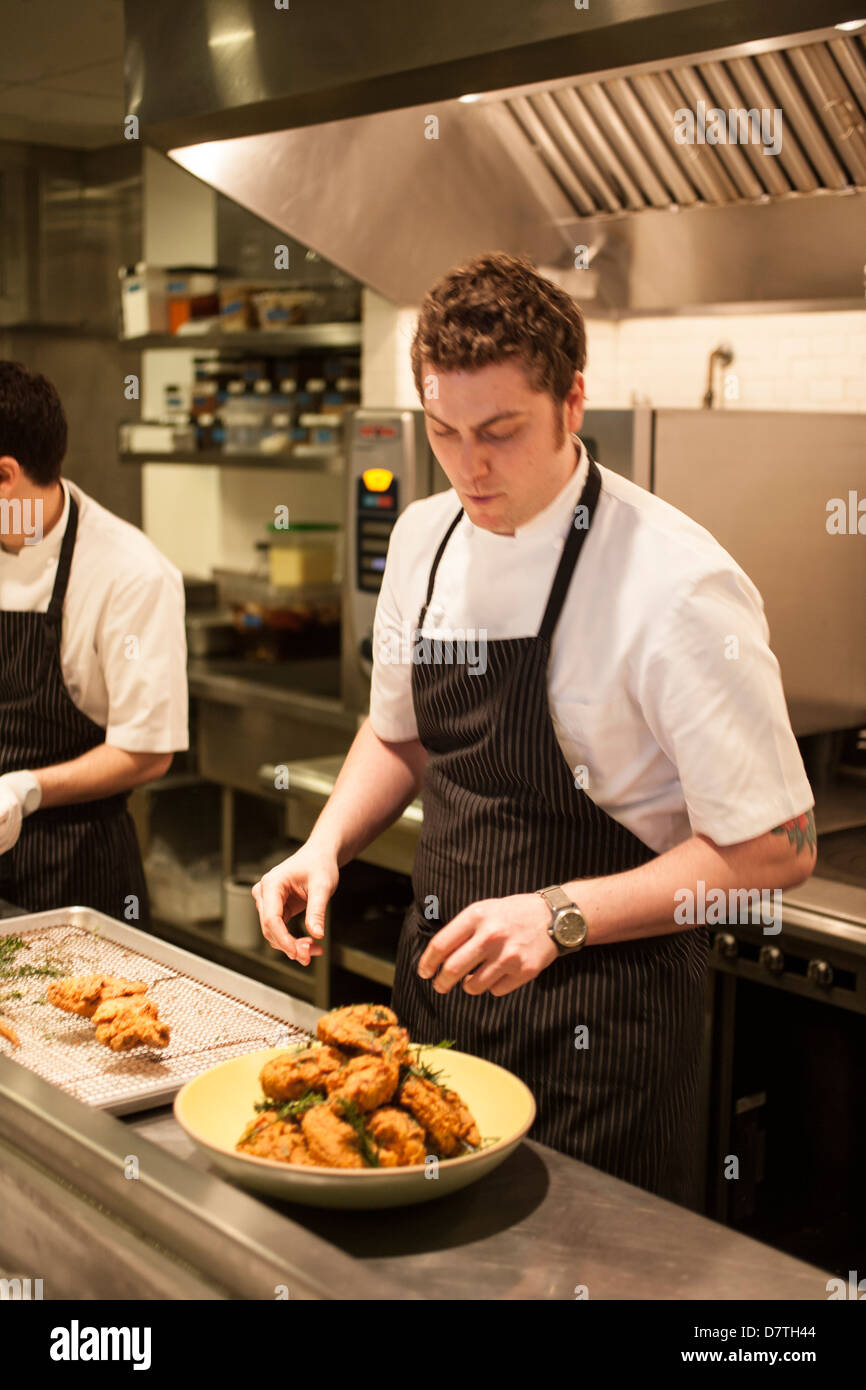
[[842, 856]]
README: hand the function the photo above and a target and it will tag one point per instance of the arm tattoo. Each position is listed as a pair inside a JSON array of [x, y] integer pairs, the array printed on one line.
[[800, 831]]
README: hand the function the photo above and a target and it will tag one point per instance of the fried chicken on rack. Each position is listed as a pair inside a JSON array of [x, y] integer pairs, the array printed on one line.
[[82, 994], [123, 1024], [270, 1137], [109, 1009], [366, 1080], [369, 1028], [448, 1122], [7, 1031], [398, 1137], [331, 1140], [291, 1074]]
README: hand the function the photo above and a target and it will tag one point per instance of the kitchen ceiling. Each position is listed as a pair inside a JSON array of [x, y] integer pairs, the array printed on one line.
[[61, 72]]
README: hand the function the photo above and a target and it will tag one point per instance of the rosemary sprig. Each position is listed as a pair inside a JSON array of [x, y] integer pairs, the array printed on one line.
[[9, 948], [423, 1069], [292, 1109], [352, 1115]]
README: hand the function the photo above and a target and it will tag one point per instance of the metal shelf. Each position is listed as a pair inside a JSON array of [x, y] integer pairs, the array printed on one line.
[[364, 963], [296, 336], [306, 458]]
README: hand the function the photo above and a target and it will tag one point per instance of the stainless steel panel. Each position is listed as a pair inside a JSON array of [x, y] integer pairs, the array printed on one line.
[[68, 1201], [235, 739], [538, 167], [760, 482]]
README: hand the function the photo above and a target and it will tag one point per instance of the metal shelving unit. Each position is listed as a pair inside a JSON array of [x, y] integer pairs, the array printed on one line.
[[296, 337], [306, 458]]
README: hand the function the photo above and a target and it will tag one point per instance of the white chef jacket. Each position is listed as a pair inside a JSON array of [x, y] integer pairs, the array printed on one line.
[[123, 638], [664, 694]]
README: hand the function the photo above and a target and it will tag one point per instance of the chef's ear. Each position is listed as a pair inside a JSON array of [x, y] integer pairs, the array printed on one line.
[[11, 473], [574, 404]]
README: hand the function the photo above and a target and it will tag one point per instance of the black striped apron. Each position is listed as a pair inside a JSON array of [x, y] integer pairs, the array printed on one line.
[[85, 854], [502, 815]]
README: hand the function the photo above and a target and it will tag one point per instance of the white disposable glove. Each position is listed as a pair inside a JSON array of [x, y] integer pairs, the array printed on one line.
[[20, 794]]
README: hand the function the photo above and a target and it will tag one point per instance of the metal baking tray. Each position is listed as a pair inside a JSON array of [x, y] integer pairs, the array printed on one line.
[[213, 1013]]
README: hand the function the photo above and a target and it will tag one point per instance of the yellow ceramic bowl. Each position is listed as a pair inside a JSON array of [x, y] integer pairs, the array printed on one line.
[[215, 1108]]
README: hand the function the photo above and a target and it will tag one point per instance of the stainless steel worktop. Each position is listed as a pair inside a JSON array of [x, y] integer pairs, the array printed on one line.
[[310, 686], [537, 1227], [101, 1206]]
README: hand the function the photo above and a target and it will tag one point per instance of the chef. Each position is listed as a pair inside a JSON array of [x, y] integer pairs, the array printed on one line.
[[93, 696], [623, 745]]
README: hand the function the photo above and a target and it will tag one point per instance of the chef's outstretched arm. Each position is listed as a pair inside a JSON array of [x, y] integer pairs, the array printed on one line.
[[102, 771], [499, 944], [376, 783]]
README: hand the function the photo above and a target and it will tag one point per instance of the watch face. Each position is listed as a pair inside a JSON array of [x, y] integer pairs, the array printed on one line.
[[570, 928]]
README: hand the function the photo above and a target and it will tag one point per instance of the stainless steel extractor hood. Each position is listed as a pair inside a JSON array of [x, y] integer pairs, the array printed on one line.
[[395, 196]]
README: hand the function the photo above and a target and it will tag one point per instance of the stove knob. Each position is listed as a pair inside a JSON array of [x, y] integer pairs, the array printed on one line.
[[819, 972], [725, 945], [772, 959]]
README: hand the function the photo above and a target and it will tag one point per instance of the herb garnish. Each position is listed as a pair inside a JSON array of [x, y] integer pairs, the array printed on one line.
[[9, 948], [352, 1115], [423, 1070], [292, 1109]]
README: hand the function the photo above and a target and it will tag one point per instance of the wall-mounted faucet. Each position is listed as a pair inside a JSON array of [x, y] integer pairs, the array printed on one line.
[[724, 356]]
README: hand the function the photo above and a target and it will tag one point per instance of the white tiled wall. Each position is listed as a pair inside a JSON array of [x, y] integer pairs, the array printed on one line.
[[781, 361], [802, 361]]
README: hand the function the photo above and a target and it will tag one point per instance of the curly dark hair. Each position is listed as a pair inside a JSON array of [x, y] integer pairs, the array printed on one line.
[[32, 423], [498, 306]]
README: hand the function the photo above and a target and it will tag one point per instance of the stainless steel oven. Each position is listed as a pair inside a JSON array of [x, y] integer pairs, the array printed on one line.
[[787, 1143], [389, 464]]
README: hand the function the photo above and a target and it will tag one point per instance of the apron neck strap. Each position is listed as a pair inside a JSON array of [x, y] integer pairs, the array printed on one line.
[[571, 551], [61, 579], [434, 567]]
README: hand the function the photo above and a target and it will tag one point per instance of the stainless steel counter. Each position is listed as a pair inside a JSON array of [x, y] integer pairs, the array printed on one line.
[[100, 1206], [301, 686], [537, 1227]]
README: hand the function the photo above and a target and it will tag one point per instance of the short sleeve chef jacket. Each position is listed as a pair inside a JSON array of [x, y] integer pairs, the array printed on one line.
[[664, 694], [123, 640]]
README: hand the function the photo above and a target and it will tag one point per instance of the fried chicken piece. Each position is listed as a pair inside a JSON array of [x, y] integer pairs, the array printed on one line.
[[448, 1122], [110, 1008], [331, 1140], [7, 1031], [368, 1081], [270, 1137], [82, 994], [395, 1044], [133, 1023], [291, 1074], [369, 1028], [398, 1137]]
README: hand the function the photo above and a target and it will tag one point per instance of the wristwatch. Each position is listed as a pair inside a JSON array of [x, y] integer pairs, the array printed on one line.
[[568, 926]]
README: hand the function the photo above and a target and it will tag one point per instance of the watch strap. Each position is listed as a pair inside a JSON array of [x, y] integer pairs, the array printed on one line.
[[556, 897]]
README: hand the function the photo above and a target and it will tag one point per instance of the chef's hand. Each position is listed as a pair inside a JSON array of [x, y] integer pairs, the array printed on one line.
[[306, 877], [20, 793], [495, 945]]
